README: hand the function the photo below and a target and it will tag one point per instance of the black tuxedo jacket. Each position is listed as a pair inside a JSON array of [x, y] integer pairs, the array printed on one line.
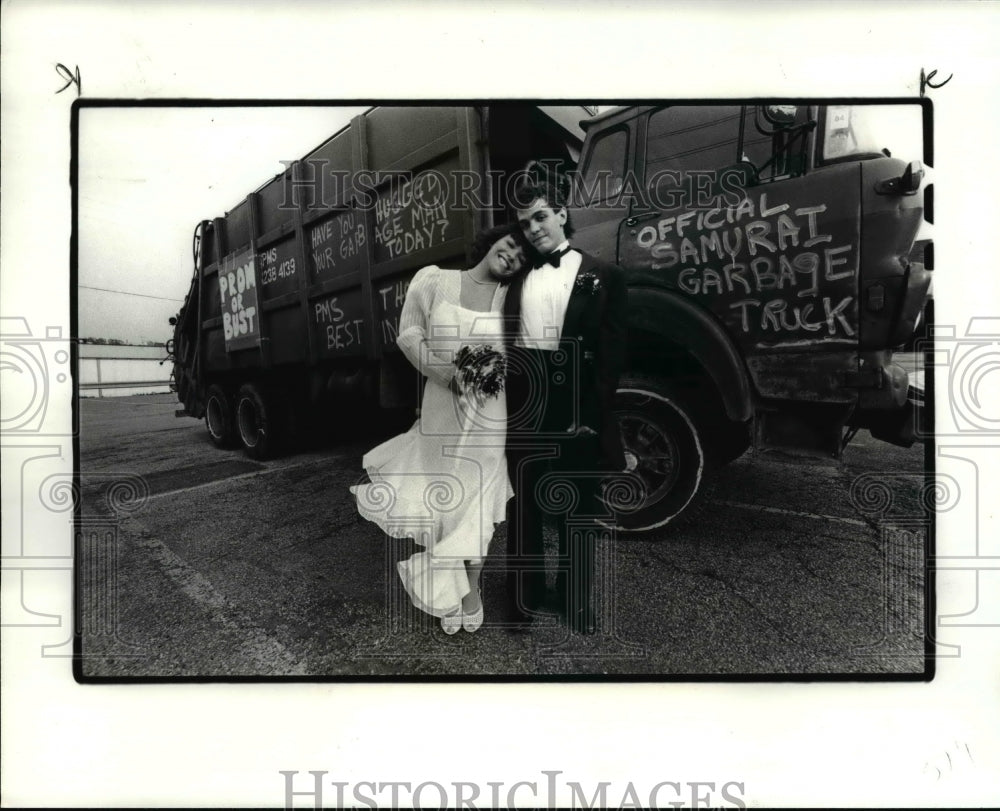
[[595, 322]]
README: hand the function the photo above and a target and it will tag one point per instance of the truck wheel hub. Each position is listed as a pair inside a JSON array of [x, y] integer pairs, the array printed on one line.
[[650, 453]]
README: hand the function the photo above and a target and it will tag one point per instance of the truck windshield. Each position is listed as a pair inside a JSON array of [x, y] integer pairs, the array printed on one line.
[[855, 130]]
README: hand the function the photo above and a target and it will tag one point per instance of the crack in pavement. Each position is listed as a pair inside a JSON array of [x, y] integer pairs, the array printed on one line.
[[730, 586]]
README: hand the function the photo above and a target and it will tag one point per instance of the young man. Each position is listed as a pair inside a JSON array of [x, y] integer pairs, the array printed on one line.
[[566, 322]]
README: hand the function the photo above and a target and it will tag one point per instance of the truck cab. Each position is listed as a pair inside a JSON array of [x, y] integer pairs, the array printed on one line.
[[769, 253]]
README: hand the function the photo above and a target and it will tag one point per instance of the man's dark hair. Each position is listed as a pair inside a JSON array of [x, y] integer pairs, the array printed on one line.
[[547, 188], [488, 237]]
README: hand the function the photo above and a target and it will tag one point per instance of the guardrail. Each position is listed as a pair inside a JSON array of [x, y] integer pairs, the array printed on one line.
[[115, 373], [125, 384]]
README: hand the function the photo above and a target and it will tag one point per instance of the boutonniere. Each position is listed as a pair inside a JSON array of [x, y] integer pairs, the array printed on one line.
[[588, 282]]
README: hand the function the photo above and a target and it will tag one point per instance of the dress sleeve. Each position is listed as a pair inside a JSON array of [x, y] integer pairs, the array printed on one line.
[[413, 326]]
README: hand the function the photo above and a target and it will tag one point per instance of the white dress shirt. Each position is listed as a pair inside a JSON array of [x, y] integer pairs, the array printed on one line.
[[544, 298]]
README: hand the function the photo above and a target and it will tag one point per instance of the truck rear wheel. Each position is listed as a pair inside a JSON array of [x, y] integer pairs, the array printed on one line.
[[257, 421], [219, 416], [665, 456]]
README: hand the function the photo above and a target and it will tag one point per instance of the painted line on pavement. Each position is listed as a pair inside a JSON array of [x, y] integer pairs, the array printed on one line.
[[249, 475], [266, 654], [854, 522]]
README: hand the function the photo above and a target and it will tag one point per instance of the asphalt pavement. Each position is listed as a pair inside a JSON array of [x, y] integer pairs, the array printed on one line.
[[196, 562]]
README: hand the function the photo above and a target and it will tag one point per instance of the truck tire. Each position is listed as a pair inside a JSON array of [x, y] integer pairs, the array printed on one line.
[[257, 421], [666, 457], [220, 417]]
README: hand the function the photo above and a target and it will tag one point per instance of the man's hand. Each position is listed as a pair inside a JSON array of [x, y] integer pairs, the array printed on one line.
[[581, 430]]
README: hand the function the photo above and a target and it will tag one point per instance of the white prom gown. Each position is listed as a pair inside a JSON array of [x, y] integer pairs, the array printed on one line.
[[444, 482]]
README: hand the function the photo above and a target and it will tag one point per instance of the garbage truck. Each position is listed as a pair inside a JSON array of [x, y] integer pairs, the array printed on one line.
[[771, 254]]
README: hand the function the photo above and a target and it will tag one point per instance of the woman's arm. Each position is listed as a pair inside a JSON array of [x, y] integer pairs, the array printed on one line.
[[413, 326]]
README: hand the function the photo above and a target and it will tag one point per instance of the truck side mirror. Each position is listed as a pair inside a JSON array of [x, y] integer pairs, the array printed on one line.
[[781, 115], [907, 183]]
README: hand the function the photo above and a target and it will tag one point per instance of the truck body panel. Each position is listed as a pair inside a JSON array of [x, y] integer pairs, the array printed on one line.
[[328, 280]]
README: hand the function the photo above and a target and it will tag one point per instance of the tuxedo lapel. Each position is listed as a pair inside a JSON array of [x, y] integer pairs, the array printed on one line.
[[578, 299]]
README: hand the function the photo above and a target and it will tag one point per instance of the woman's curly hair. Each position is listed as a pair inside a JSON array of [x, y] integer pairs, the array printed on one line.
[[488, 237]]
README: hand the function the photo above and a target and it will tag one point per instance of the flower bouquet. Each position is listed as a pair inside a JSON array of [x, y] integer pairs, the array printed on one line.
[[481, 371]]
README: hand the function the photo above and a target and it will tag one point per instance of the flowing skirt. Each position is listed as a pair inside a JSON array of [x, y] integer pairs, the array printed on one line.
[[444, 484]]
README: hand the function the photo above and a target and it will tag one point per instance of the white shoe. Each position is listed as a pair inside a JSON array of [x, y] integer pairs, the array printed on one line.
[[472, 622], [450, 623]]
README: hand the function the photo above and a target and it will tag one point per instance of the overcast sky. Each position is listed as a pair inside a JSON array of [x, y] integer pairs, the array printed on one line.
[[147, 176]]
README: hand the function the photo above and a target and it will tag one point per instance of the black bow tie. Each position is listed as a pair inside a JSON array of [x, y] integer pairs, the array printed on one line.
[[552, 258]]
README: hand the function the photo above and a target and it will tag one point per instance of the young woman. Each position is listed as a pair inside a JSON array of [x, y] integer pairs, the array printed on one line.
[[444, 482]]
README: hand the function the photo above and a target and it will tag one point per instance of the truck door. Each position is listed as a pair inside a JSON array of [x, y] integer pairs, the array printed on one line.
[[731, 221], [602, 192]]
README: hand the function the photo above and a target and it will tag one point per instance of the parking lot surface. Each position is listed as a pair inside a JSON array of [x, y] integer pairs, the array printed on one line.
[[197, 562]]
